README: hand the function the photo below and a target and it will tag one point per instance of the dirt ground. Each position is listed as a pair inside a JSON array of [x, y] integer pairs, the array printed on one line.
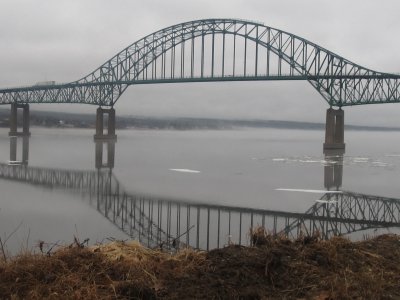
[[274, 268]]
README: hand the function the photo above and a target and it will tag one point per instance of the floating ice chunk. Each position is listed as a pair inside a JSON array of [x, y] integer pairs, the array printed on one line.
[[360, 159], [310, 161], [379, 164], [279, 159], [185, 170], [310, 191]]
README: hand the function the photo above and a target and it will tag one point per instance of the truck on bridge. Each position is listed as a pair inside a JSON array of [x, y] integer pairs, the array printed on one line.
[[40, 83]]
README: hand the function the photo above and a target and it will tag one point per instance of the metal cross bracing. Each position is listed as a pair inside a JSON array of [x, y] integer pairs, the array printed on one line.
[[52, 178], [219, 50], [124, 210], [346, 212], [159, 221]]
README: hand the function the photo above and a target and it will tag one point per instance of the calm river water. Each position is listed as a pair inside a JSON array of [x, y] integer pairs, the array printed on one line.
[[202, 188]]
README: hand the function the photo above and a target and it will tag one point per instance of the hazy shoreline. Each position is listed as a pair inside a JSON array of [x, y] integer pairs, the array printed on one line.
[[70, 120]]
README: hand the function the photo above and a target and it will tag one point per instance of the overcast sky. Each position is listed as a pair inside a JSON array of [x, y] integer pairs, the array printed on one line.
[[63, 40]]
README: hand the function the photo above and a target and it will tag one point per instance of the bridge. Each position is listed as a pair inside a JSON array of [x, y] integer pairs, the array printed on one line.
[[215, 50], [156, 221]]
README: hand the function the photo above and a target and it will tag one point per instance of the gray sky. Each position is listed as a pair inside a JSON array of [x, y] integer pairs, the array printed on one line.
[[63, 40]]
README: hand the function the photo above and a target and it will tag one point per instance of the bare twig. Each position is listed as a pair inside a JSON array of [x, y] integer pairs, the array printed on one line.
[[3, 243], [174, 241], [2, 250], [51, 248], [27, 240], [11, 234]]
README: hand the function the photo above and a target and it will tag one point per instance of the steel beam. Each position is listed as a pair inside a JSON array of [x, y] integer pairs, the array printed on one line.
[[339, 81]]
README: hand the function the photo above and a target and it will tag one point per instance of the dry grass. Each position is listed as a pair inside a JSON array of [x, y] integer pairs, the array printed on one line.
[[275, 267]]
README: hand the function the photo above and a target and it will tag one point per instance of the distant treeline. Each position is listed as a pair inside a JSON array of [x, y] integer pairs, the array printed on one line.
[[57, 119]]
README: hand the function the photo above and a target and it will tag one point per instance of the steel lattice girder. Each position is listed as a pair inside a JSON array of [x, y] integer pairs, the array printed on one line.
[[336, 214], [338, 80], [346, 212]]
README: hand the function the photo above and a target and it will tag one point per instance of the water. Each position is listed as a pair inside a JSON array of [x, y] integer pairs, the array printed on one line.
[[202, 188]]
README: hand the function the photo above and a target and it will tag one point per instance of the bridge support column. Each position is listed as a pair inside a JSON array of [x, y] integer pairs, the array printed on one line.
[[14, 120], [102, 138], [110, 134], [334, 130], [15, 134]]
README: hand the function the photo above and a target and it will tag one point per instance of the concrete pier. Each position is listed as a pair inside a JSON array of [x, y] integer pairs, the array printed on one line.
[[103, 139], [14, 150], [333, 171], [15, 134], [14, 120], [334, 130], [100, 134]]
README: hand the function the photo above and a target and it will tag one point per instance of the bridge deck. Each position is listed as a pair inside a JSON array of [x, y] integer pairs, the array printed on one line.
[[219, 50]]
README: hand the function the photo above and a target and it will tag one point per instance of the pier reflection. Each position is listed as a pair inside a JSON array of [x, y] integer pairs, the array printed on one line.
[[333, 169], [157, 221], [23, 141], [104, 153]]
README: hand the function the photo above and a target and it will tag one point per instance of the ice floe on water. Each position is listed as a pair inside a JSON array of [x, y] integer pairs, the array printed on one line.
[[360, 159], [376, 162], [305, 159], [279, 159], [379, 164], [185, 170], [371, 162], [310, 161]]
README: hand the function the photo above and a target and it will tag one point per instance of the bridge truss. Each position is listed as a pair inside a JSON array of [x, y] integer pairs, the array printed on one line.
[[159, 221], [219, 50]]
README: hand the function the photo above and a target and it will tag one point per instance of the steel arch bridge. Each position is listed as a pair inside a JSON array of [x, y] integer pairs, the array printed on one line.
[[219, 50], [156, 220]]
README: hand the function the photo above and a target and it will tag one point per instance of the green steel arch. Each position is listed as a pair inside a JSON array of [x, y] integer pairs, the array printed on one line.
[[219, 50], [335, 214]]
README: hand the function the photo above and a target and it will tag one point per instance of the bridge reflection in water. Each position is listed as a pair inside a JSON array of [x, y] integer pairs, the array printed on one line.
[[14, 141], [156, 221]]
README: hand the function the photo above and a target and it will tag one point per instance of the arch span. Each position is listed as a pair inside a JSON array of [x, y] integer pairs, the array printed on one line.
[[220, 50]]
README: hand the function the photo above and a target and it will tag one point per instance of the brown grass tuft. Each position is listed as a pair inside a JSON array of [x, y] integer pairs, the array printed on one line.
[[275, 267]]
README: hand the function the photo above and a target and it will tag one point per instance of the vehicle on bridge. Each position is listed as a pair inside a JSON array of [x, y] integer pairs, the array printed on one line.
[[45, 83]]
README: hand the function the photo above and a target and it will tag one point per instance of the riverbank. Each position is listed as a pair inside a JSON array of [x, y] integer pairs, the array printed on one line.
[[52, 119], [276, 268]]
